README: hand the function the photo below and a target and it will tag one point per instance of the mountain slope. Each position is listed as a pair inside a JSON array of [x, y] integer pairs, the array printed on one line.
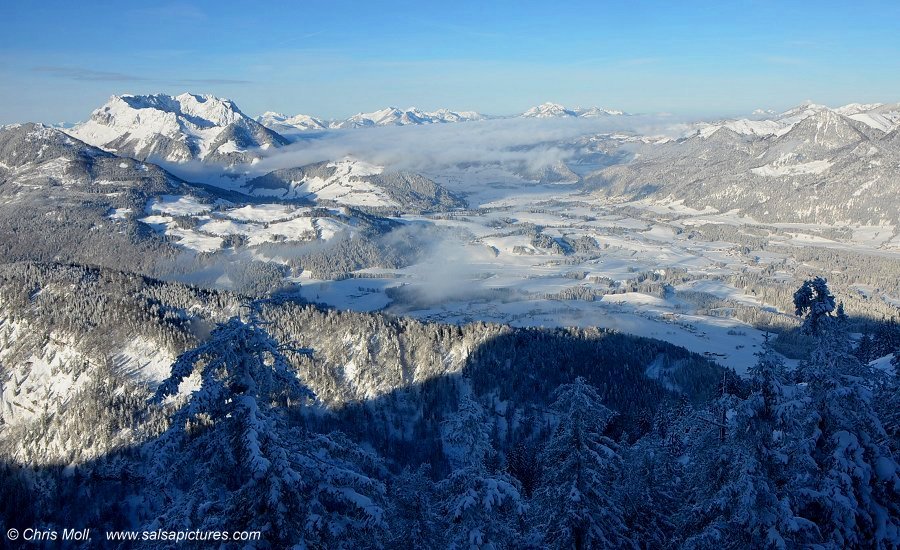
[[355, 183], [871, 119], [64, 200], [128, 328], [825, 168]]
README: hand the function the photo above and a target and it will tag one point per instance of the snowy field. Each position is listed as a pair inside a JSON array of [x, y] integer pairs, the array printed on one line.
[[487, 265]]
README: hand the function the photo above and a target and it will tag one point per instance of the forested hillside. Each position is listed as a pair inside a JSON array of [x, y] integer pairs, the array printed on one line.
[[337, 429]]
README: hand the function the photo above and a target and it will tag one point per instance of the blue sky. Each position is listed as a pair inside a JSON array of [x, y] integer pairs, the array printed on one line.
[[60, 60]]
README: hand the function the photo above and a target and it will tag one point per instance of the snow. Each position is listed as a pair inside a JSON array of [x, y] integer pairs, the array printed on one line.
[[297, 229], [883, 363], [555, 110], [548, 110], [874, 120], [392, 116], [144, 361], [744, 127], [119, 213], [194, 240], [720, 289], [264, 212], [41, 381], [229, 147], [328, 228], [178, 205], [158, 223]]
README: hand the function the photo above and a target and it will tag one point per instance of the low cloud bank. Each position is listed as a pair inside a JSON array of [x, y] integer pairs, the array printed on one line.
[[535, 142]]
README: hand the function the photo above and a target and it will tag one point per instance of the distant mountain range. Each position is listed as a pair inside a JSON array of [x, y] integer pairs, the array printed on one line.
[[392, 116]]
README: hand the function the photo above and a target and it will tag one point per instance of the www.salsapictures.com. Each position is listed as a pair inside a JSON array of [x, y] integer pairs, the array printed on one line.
[[84, 535]]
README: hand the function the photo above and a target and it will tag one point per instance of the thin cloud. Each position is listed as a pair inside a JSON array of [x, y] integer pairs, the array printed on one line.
[[77, 73], [91, 75]]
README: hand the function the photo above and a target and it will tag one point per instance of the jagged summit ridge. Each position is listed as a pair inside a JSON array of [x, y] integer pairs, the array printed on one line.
[[555, 110], [176, 129]]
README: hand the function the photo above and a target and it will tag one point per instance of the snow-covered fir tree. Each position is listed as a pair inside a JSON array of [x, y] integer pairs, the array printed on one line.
[[576, 504], [414, 520], [235, 459], [484, 508], [749, 472], [853, 493]]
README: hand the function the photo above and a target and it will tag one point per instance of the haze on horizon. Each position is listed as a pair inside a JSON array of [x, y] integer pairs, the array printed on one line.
[[59, 61]]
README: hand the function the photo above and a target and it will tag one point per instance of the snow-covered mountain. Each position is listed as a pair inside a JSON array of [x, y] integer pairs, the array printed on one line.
[[279, 122], [555, 110], [817, 166], [393, 116], [176, 129], [877, 116]]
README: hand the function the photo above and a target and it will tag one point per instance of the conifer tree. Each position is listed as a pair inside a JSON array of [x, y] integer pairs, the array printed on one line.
[[577, 506], [233, 460], [484, 508], [854, 493]]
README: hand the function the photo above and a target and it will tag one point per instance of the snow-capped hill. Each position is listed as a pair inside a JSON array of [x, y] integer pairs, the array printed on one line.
[[352, 182], [769, 169], [393, 116], [549, 110], [555, 110], [595, 112], [390, 116], [800, 112], [176, 129], [824, 129], [283, 123], [271, 117], [446, 115], [27, 144], [741, 126], [882, 117], [857, 108], [769, 123], [44, 159]]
